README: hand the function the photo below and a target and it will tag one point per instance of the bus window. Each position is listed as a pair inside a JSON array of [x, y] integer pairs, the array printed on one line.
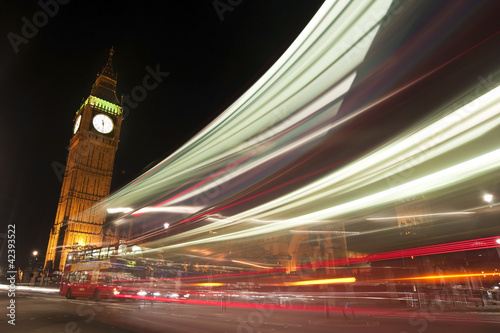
[[105, 276], [122, 249], [111, 252], [102, 275], [72, 277], [88, 255], [95, 254], [82, 277], [104, 253], [136, 251]]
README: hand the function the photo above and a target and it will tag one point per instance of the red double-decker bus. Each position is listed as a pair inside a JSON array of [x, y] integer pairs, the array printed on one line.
[[94, 272]]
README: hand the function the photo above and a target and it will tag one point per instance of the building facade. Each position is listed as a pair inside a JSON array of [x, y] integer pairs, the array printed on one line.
[[88, 172]]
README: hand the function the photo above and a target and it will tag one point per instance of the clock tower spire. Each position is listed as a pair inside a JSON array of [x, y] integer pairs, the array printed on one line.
[[105, 84], [89, 168]]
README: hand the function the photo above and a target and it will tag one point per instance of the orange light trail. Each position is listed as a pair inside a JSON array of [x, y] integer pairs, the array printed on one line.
[[326, 281]]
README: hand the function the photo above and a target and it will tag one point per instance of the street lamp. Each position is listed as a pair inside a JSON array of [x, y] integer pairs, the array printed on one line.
[[33, 263], [488, 197]]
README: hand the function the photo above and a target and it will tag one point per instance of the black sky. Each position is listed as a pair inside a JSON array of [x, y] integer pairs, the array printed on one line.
[[210, 62]]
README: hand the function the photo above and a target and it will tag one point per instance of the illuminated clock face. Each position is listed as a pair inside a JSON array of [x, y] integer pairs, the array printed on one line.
[[103, 123], [77, 124]]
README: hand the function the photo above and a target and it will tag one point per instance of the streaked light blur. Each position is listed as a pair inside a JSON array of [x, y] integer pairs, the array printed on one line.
[[337, 174]]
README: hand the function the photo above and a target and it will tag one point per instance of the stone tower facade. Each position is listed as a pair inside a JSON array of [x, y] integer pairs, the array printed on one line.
[[88, 172]]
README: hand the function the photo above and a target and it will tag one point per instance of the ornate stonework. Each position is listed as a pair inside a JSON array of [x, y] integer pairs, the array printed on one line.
[[89, 168]]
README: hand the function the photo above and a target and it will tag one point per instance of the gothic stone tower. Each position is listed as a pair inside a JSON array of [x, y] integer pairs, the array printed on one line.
[[87, 177]]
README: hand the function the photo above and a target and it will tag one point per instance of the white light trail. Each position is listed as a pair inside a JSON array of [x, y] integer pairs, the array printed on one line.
[[170, 209], [251, 264], [119, 210], [294, 104], [327, 52], [432, 182], [418, 215]]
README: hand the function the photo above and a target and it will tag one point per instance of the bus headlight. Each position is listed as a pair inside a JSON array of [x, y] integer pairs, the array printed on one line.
[[142, 293]]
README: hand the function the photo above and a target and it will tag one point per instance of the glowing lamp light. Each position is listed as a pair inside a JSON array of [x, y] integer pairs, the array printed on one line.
[[488, 197], [166, 225], [35, 253], [498, 240]]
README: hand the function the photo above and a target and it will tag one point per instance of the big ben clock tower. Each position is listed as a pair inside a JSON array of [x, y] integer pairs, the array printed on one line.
[[89, 168]]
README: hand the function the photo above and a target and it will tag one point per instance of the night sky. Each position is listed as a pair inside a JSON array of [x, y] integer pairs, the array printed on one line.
[[210, 62]]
